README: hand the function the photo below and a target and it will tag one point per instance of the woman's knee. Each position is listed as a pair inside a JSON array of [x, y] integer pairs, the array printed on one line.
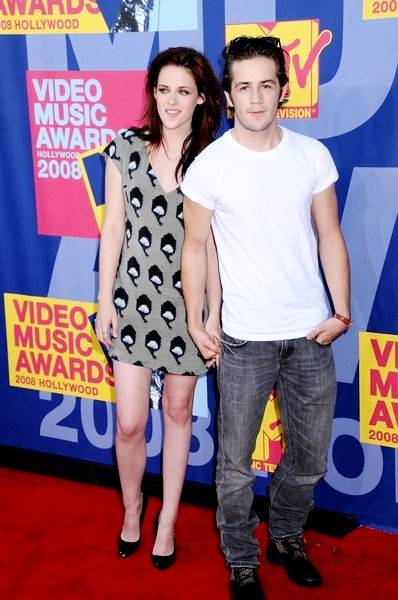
[[179, 411], [128, 429], [177, 398]]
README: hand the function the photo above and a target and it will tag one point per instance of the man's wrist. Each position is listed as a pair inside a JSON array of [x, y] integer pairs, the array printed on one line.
[[346, 320]]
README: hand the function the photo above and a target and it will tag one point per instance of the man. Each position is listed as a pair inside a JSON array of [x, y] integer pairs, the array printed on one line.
[[268, 194]]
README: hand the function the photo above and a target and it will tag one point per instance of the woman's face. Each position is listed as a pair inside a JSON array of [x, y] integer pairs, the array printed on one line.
[[176, 97]]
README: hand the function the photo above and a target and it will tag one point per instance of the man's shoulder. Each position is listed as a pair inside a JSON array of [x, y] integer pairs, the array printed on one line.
[[313, 154], [304, 141], [215, 149], [205, 171]]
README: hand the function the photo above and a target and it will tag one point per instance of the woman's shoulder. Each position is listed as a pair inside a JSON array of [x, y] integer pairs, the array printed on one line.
[[130, 137], [126, 142]]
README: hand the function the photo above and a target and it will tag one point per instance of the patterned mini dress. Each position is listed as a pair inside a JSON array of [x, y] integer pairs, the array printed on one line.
[[152, 328]]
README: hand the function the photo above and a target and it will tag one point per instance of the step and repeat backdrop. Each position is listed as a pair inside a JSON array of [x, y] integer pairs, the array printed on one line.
[[71, 77]]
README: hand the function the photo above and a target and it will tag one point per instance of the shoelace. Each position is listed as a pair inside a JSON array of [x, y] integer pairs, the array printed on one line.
[[293, 546], [243, 574]]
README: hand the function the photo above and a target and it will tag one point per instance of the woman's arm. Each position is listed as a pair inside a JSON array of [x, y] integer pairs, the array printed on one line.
[[110, 247]]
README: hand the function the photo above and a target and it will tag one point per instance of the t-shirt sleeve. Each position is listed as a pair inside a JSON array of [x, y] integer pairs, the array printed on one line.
[[196, 186], [327, 172], [113, 151]]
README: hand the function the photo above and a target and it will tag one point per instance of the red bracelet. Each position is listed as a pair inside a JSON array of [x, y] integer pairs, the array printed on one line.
[[347, 322]]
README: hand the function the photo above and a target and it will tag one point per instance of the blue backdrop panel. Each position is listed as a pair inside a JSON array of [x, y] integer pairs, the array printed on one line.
[[358, 121]]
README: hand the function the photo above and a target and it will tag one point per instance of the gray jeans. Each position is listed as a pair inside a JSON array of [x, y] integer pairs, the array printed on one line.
[[304, 374]]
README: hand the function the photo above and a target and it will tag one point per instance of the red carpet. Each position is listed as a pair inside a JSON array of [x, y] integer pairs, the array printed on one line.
[[58, 541]]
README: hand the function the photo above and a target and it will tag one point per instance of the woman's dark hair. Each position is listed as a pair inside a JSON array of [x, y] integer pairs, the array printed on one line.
[[245, 47], [206, 117]]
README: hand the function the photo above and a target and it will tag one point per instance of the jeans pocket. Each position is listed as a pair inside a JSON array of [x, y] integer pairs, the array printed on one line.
[[322, 345], [231, 342]]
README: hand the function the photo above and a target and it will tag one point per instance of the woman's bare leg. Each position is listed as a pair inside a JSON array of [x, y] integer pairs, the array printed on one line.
[[177, 400], [132, 387]]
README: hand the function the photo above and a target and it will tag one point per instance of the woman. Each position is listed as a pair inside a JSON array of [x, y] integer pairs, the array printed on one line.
[[141, 315]]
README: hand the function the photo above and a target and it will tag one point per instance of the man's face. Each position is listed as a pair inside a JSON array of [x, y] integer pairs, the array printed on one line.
[[255, 93]]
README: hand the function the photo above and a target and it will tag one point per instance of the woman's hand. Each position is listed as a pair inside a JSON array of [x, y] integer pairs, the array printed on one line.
[[213, 330], [106, 323], [205, 344]]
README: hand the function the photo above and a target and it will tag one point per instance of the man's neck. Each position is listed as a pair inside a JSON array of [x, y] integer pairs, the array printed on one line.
[[260, 141]]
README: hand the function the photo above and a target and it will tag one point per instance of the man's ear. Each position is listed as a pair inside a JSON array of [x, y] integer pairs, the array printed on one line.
[[230, 104], [283, 93]]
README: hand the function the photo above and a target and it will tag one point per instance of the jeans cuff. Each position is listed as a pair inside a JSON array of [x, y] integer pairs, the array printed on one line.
[[279, 538], [252, 564]]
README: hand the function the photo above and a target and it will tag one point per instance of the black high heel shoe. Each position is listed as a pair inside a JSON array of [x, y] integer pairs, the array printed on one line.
[[163, 562], [126, 549]]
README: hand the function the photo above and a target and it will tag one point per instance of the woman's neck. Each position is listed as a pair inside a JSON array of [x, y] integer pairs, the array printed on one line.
[[172, 142]]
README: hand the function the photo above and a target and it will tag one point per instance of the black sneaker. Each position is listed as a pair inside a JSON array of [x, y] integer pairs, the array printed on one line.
[[244, 584], [290, 554]]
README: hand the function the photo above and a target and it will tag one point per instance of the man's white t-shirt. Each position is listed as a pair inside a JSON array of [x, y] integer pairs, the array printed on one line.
[[267, 249]]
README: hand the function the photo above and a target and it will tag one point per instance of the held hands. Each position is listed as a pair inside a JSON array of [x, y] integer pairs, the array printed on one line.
[[207, 340], [213, 329], [105, 322], [327, 331]]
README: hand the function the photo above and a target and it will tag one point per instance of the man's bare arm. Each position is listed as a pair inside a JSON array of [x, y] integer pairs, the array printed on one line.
[[194, 275], [335, 264]]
